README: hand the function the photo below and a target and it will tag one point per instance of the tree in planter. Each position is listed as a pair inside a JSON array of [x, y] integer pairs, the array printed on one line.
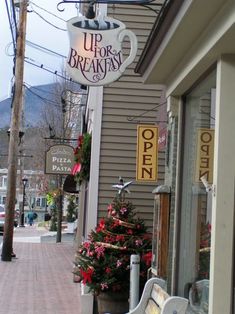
[[103, 262], [71, 210], [52, 197]]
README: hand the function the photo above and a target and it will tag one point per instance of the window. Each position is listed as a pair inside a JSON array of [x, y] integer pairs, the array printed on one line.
[[43, 203], [2, 200], [38, 202], [198, 146], [3, 181]]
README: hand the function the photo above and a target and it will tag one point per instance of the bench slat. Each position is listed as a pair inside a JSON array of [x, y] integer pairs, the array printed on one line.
[[155, 300], [159, 295], [152, 308]]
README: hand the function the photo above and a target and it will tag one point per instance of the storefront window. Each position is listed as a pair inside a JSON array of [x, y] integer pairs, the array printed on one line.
[[197, 167]]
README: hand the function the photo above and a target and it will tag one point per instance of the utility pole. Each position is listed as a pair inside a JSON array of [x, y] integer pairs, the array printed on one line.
[[7, 248]]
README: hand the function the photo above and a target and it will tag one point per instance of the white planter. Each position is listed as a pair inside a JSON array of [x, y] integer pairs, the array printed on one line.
[[70, 227]]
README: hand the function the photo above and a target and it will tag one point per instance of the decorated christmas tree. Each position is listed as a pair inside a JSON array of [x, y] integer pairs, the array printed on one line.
[[103, 262]]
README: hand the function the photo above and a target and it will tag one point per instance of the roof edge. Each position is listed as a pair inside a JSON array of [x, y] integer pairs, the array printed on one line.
[[161, 26]]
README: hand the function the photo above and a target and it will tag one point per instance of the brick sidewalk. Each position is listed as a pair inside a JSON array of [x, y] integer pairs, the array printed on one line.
[[39, 280]]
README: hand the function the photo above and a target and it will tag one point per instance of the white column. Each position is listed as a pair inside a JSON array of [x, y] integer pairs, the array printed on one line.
[[96, 98], [223, 198]]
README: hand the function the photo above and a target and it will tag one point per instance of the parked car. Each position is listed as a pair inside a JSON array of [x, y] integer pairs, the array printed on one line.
[[2, 218]]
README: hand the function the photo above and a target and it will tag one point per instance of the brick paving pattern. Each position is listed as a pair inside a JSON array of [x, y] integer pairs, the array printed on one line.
[[39, 280]]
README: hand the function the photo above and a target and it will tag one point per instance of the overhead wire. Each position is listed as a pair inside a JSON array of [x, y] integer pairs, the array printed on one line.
[[43, 49], [44, 99], [79, 92], [7, 50], [41, 66], [11, 27], [40, 89], [14, 35], [54, 103], [36, 46]]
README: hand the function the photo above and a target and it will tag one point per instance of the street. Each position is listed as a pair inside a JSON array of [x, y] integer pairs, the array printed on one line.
[[27, 235], [34, 234]]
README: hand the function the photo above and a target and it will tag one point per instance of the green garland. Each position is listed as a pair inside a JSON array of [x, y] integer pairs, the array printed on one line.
[[82, 156]]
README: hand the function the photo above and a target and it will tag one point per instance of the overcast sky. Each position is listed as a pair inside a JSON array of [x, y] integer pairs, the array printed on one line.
[[41, 33]]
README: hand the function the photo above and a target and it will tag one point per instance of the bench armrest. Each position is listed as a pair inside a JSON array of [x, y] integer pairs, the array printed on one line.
[[175, 305], [140, 308]]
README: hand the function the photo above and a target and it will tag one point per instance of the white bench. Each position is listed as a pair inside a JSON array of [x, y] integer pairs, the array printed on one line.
[[155, 300]]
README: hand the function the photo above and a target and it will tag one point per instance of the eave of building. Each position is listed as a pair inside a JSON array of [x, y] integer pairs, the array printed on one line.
[[193, 42]]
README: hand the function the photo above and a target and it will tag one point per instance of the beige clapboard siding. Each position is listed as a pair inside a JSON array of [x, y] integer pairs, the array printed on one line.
[[118, 166], [117, 118], [123, 100], [127, 105], [120, 160], [134, 99], [128, 174], [134, 86], [137, 92]]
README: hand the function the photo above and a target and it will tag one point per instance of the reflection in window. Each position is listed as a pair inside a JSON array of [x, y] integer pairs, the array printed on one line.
[[196, 201]]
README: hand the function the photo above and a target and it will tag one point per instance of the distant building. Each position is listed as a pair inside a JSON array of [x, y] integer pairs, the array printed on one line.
[[35, 197]]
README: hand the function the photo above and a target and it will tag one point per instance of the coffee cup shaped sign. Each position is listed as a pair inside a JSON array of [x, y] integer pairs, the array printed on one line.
[[95, 56]]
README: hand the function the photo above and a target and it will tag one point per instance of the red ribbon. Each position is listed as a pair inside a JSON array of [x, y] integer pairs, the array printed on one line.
[[147, 258], [76, 169], [86, 275]]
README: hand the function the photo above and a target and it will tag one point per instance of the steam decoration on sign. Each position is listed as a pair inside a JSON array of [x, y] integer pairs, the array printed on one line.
[[95, 55]]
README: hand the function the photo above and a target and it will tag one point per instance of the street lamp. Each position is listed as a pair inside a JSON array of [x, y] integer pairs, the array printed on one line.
[[24, 180]]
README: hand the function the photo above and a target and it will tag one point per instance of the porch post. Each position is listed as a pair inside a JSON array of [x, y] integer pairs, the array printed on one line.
[[222, 243]]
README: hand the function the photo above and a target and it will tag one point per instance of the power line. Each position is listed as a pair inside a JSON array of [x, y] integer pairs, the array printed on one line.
[[42, 98], [41, 66], [41, 48], [7, 48], [54, 103], [40, 89], [11, 27], [53, 93]]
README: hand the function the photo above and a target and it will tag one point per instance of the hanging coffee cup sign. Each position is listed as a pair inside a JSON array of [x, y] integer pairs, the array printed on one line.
[[96, 53]]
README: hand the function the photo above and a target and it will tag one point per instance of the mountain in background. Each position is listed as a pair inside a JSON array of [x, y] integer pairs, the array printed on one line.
[[43, 108], [35, 98]]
